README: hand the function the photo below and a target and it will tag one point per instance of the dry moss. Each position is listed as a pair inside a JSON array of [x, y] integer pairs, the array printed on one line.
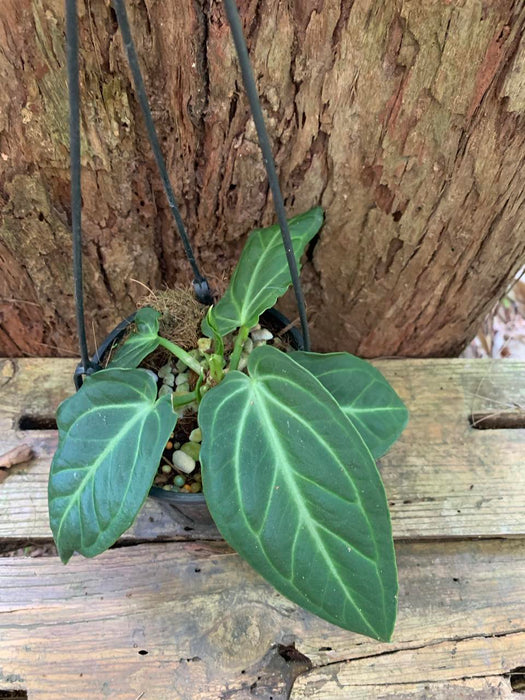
[[181, 315]]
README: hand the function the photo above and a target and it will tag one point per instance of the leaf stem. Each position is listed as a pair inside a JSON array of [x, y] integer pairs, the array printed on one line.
[[216, 363], [238, 346], [182, 355], [180, 400]]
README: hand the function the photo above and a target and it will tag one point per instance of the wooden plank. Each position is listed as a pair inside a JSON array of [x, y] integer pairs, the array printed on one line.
[[37, 385], [34, 387], [443, 478], [210, 626], [485, 688]]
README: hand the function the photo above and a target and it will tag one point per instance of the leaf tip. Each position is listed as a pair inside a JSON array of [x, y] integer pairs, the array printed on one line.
[[64, 554]]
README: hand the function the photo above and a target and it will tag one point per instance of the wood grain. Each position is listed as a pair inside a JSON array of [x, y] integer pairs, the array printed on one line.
[[192, 621], [443, 478], [315, 686], [210, 626]]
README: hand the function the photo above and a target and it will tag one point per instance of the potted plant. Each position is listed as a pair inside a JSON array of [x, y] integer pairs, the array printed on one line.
[[289, 443]]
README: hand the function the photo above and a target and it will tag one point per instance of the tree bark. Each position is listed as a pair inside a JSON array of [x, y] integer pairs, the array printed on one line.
[[403, 118]]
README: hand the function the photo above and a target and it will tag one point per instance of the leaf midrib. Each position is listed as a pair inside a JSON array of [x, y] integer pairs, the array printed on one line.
[[301, 508], [269, 249], [123, 499], [243, 306], [327, 446], [90, 469]]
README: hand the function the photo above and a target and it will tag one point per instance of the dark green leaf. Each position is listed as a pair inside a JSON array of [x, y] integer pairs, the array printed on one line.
[[143, 341], [111, 437], [293, 488], [364, 395], [261, 275]]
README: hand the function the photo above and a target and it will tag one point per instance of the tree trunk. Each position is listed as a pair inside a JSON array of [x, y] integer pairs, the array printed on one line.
[[403, 118]]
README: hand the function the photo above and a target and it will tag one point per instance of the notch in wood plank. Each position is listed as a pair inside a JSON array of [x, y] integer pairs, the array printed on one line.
[[492, 420], [26, 422], [517, 679]]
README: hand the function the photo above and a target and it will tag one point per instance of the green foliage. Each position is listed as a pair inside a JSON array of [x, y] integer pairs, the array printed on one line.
[[363, 393], [293, 488], [111, 437], [141, 343], [261, 275], [287, 454]]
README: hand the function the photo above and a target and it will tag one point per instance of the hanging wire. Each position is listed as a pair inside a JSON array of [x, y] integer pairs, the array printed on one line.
[[201, 286], [76, 195], [255, 106]]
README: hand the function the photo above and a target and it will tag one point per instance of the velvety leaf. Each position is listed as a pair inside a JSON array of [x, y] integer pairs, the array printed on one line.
[[261, 275], [364, 395], [142, 341], [293, 488], [111, 437]]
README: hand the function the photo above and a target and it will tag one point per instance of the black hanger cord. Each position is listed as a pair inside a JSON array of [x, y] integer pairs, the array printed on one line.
[[255, 106], [76, 195], [200, 283]]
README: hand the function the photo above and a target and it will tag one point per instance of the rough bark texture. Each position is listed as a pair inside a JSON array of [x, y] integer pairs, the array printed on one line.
[[403, 118]]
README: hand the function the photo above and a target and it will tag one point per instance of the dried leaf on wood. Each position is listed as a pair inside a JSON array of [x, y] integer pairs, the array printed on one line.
[[17, 455]]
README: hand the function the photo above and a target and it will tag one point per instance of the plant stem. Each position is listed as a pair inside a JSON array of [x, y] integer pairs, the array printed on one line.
[[182, 355], [238, 346], [215, 363], [180, 400]]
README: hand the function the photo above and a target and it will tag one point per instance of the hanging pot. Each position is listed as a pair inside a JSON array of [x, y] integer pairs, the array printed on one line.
[[189, 509]]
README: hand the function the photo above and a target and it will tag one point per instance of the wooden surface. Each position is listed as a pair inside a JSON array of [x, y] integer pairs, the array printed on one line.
[[213, 629], [210, 625], [443, 478]]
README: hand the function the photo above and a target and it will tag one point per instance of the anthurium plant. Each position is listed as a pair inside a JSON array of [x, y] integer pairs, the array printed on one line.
[[289, 443]]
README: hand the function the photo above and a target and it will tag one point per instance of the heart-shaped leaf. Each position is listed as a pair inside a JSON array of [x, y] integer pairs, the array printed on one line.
[[143, 341], [261, 275], [364, 395], [294, 489], [111, 437]]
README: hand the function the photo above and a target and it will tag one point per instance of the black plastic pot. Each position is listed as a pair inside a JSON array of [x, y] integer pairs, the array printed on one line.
[[115, 335], [189, 509]]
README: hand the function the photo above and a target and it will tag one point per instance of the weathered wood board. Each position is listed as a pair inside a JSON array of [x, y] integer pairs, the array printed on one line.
[[188, 620], [443, 478], [211, 626]]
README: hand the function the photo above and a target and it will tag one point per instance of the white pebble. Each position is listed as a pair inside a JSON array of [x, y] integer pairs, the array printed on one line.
[[243, 361], [165, 370], [169, 380], [181, 366], [165, 389], [196, 435], [204, 344], [183, 388], [181, 378], [248, 346], [183, 462], [261, 334]]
